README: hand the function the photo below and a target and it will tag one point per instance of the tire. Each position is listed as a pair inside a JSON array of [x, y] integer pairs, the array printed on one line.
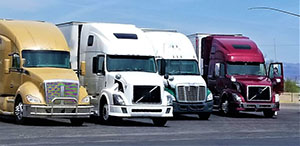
[[18, 112], [226, 109], [269, 113], [160, 122], [104, 117], [204, 116], [76, 122]]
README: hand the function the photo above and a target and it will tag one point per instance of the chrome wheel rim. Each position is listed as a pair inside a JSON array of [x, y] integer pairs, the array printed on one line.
[[105, 112], [19, 111], [225, 106]]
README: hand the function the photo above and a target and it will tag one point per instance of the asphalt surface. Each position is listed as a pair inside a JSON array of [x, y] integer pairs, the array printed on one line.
[[245, 129]]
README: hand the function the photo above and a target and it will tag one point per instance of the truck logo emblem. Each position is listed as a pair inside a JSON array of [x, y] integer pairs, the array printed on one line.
[[62, 91]]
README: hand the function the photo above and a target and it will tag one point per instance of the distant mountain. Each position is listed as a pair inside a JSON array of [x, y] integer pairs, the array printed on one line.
[[291, 71]]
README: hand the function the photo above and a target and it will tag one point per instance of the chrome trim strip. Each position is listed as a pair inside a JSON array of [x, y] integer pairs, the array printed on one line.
[[259, 86]]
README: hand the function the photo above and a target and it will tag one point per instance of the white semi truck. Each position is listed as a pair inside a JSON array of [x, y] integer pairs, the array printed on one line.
[[178, 65], [117, 66]]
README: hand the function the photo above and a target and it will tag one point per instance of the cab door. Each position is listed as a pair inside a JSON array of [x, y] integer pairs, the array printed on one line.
[[276, 75], [10, 81]]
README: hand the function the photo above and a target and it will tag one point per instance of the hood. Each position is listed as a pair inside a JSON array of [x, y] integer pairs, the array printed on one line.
[[253, 80], [187, 80], [140, 78], [43, 74]]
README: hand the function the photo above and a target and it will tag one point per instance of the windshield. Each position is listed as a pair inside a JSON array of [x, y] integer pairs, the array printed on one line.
[[180, 67], [33, 58], [130, 63], [242, 68]]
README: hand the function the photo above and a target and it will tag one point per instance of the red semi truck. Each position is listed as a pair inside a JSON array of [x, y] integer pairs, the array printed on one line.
[[235, 71]]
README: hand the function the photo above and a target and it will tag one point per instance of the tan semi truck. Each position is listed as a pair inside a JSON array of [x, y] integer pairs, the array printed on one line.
[[36, 79]]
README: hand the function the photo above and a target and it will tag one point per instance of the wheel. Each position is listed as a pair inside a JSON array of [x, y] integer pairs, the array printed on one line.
[[226, 109], [159, 121], [18, 113], [104, 117], [269, 113], [204, 116], [77, 122]]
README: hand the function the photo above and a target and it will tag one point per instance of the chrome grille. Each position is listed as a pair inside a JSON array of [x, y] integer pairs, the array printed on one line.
[[259, 93], [146, 94], [61, 90], [190, 93]]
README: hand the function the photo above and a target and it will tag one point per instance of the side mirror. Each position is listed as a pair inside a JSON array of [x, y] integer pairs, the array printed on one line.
[[217, 70], [166, 76], [171, 78], [6, 65], [82, 68], [23, 62]]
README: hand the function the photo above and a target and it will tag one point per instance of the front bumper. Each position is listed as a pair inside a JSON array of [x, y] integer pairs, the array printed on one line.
[[74, 111], [258, 106], [140, 111], [186, 108]]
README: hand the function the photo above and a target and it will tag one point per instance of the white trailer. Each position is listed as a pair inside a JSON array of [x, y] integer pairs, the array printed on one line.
[[120, 71], [178, 66], [196, 40]]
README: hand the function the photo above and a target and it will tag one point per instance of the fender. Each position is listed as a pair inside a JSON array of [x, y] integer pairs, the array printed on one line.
[[82, 94], [227, 93], [105, 94], [29, 88]]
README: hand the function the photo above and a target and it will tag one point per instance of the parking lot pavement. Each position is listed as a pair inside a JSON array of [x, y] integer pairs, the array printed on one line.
[[245, 129]]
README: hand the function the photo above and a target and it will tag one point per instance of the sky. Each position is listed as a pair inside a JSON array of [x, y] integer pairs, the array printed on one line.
[[275, 33]]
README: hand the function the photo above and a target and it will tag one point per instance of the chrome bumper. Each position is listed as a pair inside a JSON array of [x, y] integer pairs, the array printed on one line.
[[258, 106], [76, 111]]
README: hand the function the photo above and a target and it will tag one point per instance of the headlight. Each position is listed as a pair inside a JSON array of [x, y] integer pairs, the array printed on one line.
[[238, 87], [209, 95], [237, 97], [118, 100], [33, 99], [170, 99], [86, 99], [277, 98]]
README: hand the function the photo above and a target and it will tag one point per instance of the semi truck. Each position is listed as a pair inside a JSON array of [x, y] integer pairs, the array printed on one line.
[[235, 71], [116, 64], [178, 66], [36, 77]]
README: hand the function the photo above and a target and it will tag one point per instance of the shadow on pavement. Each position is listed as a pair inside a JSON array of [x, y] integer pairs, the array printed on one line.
[[126, 122], [257, 115], [185, 117], [37, 121]]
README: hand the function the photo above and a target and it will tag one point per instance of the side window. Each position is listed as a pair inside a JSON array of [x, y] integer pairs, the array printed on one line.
[[213, 50], [90, 40], [217, 70], [159, 66], [275, 70], [15, 61], [98, 64], [222, 70]]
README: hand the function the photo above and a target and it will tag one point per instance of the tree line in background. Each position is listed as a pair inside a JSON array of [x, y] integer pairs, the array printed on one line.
[[291, 86]]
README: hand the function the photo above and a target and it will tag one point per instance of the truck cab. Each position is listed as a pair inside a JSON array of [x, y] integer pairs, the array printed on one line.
[[179, 69], [120, 72], [236, 73], [36, 77]]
